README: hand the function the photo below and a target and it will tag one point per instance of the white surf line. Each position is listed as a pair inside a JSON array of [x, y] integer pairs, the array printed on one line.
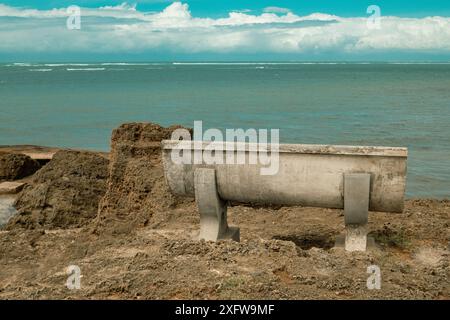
[[85, 69]]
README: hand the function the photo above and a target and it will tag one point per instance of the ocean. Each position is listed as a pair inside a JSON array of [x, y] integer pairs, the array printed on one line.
[[383, 104]]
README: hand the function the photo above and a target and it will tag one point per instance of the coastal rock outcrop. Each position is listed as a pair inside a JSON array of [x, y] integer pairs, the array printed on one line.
[[136, 187], [15, 166], [64, 193]]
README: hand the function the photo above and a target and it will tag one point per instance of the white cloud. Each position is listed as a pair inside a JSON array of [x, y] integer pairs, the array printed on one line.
[[276, 10], [123, 6], [124, 28]]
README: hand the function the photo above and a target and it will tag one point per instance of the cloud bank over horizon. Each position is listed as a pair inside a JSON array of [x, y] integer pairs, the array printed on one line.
[[123, 29]]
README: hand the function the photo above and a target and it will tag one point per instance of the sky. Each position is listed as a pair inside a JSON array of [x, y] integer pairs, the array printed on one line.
[[225, 30]]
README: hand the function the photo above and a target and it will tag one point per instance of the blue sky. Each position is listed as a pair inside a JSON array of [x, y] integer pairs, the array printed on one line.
[[218, 8], [154, 30]]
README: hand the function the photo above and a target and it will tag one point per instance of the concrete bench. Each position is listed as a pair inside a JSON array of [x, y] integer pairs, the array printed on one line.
[[357, 179]]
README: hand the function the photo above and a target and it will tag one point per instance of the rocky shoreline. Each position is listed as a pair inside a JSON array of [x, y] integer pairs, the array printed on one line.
[[112, 215]]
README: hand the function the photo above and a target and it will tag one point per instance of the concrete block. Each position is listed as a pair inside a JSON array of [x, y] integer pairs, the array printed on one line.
[[356, 238], [340, 242], [356, 198], [212, 209], [11, 187]]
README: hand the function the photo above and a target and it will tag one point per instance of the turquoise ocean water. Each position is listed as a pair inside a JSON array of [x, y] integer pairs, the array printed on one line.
[[77, 105]]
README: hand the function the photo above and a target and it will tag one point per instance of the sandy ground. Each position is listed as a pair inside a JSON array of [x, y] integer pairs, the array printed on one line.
[[284, 253]]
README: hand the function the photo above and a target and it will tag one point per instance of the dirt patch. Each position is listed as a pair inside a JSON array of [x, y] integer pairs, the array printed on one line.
[[309, 240], [391, 236], [431, 256]]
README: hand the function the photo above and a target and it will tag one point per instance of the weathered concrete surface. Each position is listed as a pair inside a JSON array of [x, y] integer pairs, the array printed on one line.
[[309, 175], [355, 238], [345, 241], [356, 198], [356, 210], [11, 187], [213, 210]]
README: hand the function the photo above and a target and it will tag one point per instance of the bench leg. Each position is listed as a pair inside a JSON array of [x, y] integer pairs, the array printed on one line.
[[356, 210], [213, 210]]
